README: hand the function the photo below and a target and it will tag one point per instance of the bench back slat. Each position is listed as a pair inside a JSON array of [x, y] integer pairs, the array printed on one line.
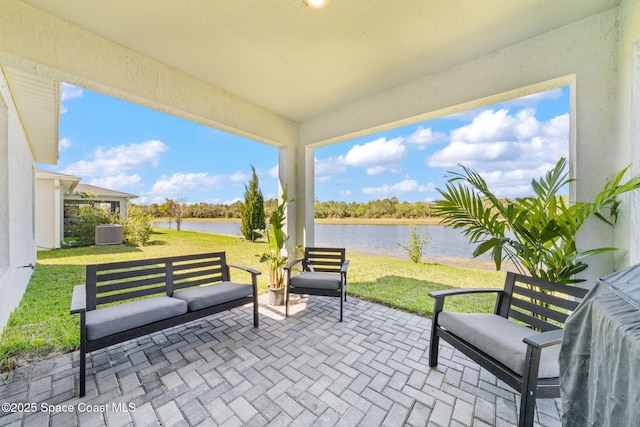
[[119, 281], [124, 285], [130, 274], [537, 303], [139, 293], [324, 260], [214, 273]]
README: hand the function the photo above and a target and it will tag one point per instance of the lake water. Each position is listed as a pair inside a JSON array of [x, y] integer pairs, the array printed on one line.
[[370, 239]]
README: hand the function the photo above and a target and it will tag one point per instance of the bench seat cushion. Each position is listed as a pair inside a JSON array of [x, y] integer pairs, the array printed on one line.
[[210, 295], [501, 339], [122, 317], [314, 280]]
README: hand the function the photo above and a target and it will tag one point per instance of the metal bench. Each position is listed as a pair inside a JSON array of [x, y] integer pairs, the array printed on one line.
[[528, 318], [124, 300]]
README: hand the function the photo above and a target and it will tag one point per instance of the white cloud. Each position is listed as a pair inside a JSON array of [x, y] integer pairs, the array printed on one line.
[[274, 171], [64, 144], [496, 139], [115, 182], [406, 186], [232, 201], [116, 160], [378, 156], [70, 92], [508, 150], [240, 177], [182, 182], [324, 169], [423, 137], [514, 183]]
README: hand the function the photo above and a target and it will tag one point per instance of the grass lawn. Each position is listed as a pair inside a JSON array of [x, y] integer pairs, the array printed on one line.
[[42, 326]]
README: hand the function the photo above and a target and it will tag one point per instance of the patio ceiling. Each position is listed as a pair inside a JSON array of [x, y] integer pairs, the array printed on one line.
[[299, 62]]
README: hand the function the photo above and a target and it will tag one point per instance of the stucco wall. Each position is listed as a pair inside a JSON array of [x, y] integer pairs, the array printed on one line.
[[17, 227], [627, 231], [47, 233], [583, 55]]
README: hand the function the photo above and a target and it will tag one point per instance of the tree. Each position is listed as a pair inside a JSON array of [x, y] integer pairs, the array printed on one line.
[[166, 209], [175, 210], [535, 233], [252, 211]]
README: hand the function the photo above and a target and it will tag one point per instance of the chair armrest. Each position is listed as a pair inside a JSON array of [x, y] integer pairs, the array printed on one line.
[[79, 299], [545, 339], [247, 269], [344, 267], [452, 292], [292, 262], [439, 297]]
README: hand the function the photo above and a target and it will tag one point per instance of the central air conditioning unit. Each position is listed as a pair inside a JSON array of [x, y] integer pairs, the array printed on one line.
[[108, 234]]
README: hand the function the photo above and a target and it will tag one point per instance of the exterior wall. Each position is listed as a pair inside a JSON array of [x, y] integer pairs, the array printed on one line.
[[583, 55], [17, 225], [627, 234], [48, 215]]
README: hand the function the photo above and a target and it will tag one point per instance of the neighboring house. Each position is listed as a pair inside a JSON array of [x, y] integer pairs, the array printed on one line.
[[115, 201], [59, 198], [50, 191]]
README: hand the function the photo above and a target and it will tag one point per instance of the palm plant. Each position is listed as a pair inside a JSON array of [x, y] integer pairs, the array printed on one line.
[[276, 239], [537, 234]]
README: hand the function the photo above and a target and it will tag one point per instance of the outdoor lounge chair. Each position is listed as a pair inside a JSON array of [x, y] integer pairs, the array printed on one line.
[[324, 273], [519, 342]]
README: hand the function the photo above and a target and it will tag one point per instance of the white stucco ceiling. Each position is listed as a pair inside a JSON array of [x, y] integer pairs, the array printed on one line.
[[300, 62]]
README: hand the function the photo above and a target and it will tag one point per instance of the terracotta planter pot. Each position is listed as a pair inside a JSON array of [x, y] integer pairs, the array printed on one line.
[[276, 296]]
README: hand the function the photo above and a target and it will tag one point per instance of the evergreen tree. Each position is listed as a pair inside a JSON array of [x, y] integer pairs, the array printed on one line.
[[252, 211]]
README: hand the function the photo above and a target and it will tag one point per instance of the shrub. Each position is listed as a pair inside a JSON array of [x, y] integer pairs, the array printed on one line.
[[415, 243], [84, 230], [137, 229]]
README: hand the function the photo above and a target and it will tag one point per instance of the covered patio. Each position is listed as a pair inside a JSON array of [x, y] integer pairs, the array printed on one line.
[[306, 370], [298, 78]]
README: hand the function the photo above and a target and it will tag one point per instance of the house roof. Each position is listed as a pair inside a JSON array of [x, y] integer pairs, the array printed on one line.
[[37, 100], [301, 63], [68, 181], [102, 192]]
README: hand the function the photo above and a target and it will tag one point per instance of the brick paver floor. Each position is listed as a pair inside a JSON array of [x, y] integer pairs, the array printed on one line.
[[305, 370]]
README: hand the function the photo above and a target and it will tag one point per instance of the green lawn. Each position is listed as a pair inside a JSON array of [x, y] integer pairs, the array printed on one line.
[[42, 326]]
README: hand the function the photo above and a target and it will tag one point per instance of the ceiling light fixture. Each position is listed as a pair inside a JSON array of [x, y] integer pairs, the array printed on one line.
[[316, 4]]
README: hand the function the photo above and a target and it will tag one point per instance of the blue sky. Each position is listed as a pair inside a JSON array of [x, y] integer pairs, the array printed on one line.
[[114, 144]]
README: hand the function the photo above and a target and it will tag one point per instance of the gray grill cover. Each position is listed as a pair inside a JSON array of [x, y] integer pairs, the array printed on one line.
[[600, 355]]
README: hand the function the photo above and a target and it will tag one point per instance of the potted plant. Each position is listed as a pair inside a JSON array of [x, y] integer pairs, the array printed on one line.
[[538, 233], [276, 257]]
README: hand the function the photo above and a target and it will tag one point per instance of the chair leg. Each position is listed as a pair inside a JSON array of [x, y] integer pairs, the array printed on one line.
[[255, 311], [529, 387], [83, 369], [341, 305], [83, 353], [286, 302], [433, 348]]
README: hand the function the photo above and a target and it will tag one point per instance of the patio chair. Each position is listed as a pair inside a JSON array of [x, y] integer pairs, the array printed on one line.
[[324, 273], [518, 342]]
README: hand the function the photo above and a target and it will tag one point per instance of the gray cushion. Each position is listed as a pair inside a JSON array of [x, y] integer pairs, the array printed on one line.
[[121, 317], [210, 295], [313, 280], [501, 339]]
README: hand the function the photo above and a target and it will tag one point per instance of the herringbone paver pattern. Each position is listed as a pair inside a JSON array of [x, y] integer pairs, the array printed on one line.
[[306, 370]]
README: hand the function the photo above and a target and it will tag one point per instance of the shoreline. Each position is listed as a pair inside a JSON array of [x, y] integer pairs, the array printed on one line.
[[331, 221]]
